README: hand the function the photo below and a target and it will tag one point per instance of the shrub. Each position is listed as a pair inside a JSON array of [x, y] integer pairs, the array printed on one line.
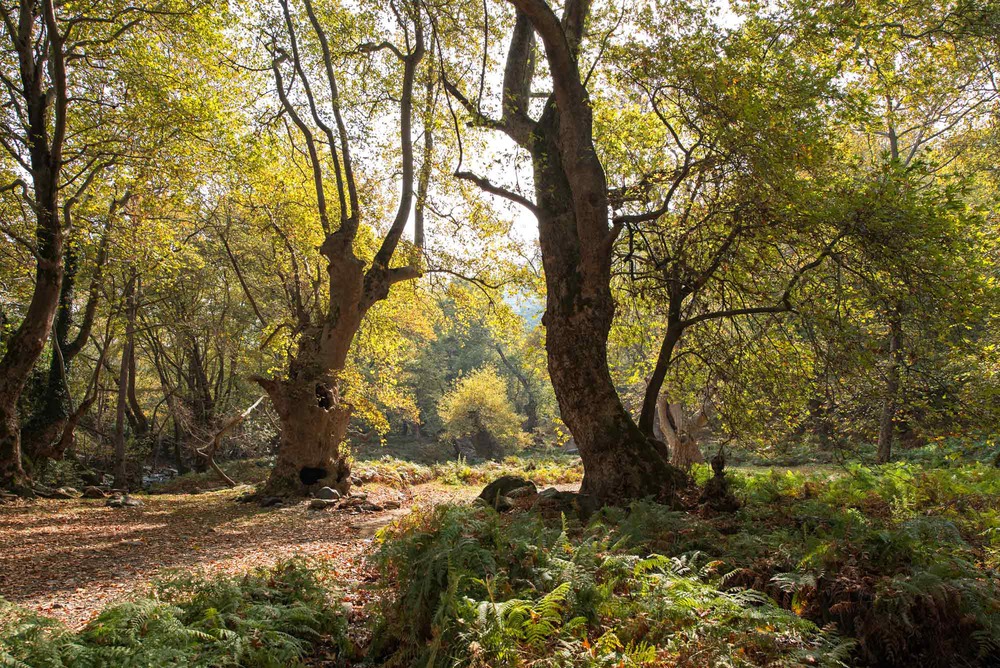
[[478, 408]]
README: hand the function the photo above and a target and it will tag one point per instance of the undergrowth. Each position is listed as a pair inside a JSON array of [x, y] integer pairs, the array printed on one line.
[[267, 619], [544, 468], [466, 587], [895, 566]]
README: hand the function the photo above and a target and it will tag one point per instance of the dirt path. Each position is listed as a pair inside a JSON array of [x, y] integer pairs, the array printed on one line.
[[69, 559]]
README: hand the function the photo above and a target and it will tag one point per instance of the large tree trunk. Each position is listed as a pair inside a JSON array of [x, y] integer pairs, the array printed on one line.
[[41, 117], [576, 237], [620, 462], [887, 423], [28, 341], [313, 425], [124, 372], [314, 416]]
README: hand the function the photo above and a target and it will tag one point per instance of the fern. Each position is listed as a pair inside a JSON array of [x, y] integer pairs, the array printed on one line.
[[267, 618]]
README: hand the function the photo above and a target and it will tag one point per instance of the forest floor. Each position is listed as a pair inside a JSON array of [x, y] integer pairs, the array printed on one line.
[[68, 559]]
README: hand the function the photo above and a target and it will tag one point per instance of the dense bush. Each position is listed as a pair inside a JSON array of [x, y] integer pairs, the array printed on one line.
[[267, 619], [477, 406]]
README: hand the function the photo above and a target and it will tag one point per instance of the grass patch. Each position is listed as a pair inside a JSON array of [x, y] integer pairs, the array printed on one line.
[[544, 467]]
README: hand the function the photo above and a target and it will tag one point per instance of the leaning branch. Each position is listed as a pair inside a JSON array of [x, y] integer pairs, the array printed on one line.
[[485, 184], [208, 453]]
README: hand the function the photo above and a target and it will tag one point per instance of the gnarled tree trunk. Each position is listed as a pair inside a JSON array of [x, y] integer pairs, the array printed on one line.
[[576, 237], [313, 413]]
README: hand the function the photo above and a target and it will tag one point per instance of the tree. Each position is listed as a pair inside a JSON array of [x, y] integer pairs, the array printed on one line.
[[35, 131], [576, 235], [313, 412], [476, 410]]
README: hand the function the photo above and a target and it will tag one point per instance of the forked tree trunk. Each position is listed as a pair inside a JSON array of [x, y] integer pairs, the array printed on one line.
[[313, 415], [43, 434], [571, 204]]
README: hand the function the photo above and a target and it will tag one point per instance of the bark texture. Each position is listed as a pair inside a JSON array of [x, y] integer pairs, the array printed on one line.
[[314, 416], [887, 422], [571, 204], [42, 129]]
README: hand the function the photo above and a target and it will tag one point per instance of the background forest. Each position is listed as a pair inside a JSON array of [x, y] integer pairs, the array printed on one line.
[[358, 259]]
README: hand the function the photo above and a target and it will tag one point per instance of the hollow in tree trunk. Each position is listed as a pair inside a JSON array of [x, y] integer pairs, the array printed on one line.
[[313, 423]]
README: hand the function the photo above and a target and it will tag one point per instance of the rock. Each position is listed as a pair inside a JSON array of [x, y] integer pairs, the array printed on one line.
[[391, 505], [269, 501], [503, 503], [151, 479], [359, 495], [521, 492], [328, 494], [554, 501], [503, 486], [93, 492], [320, 504], [125, 501], [372, 507]]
